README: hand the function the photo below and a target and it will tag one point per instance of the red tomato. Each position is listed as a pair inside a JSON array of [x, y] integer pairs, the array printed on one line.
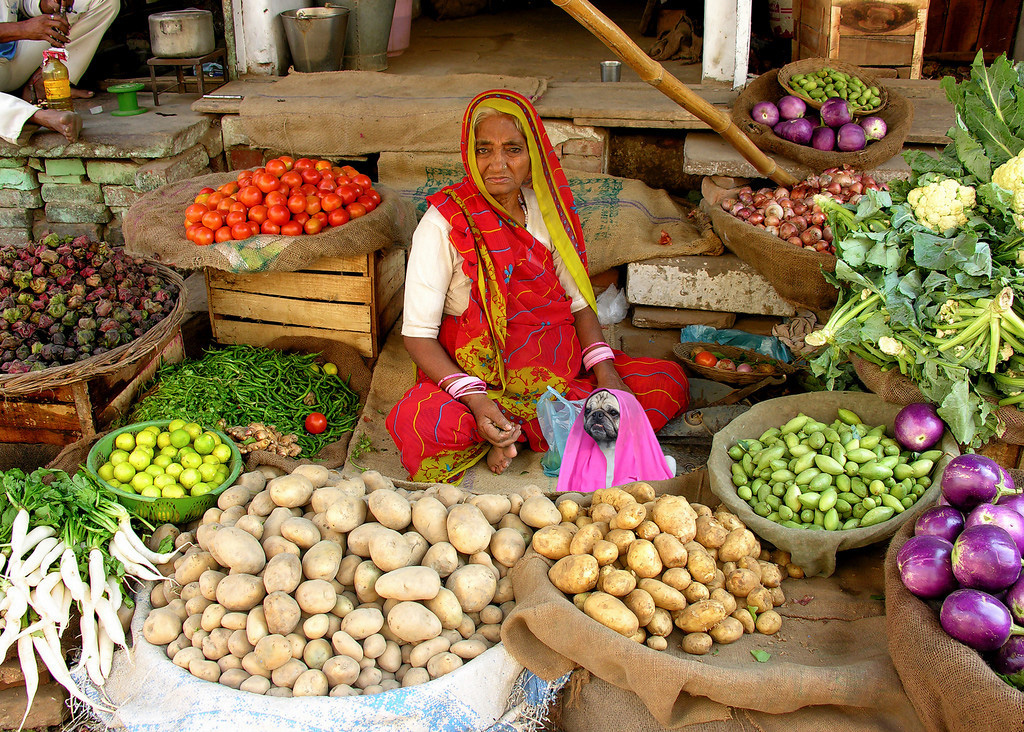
[[355, 210], [266, 182], [313, 226], [338, 217], [251, 196], [326, 186], [321, 217], [374, 195], [310, 176], [297, 203], [190, 232], [312, 204], [241, 231], [705, 358], [316, 423], [292, 228], [303, 164], [301, 218], [203, 237], [363, 181], [213, 220], [307, 189], [213, 199], [225, 205], [275, 198], [228, 188], [195, 212], [276, 167], [330, 202], [202, 198], [269, 227], [258, 214], [322, 165], [242, 174], [278, 214], [206, 191], [222, 234], [349, 170], [347, 192], [292, 179], [367, 202], [234, 218], [288, 162]]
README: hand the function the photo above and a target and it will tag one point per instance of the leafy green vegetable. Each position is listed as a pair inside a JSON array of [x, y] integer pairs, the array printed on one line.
[[760, 656]]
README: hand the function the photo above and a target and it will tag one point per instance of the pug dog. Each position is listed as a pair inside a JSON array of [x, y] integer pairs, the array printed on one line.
[[602, 420]]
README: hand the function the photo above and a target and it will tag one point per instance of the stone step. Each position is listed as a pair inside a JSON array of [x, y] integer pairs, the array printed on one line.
[[721, 284]]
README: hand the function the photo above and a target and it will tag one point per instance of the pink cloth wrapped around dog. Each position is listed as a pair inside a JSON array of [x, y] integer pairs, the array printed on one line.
[[638, 456]]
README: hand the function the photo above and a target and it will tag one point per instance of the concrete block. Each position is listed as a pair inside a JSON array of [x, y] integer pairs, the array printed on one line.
[[585, 164], [15, 218], [757, 324], [213, 141], [10, 198], [48, 707], [35, 163], [41, 228], [112, 172], [645, 316], [594, 148], [161, 172], [67, 180], [120, 195], [647, 342], [15, 236], [241, 158], [82, 193], [722, 284], [118, 212], [113, 234], [12, 162], [232, 133], [64, 166], [20, 179], [77, 213]]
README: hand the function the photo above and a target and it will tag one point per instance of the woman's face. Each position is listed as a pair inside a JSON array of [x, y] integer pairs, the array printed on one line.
[[501, 156]]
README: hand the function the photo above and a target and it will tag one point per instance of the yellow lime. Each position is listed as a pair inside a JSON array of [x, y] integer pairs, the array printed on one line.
[[175, 424], [139, 459], [194, 429], [215, 436], [163, 480], [211, 459], [163, 439], [124, 472], [125, 441], [200, 489], [189, 477], [204, 444], [151, 428], [170, 451], [150, 491], [106, 472], [173, 470], [190, 460], [208, 471], [222, 453], [162, 461], [222, 475], [119, 485], [154, 470], [146, 439], [141, 480], [173, 491], [117, 457], [330, 369], [180, 438]]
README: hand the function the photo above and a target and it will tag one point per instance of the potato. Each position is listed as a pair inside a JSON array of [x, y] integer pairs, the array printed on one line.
[[390, 509], [641, 604], [582, 542], [512, 521], [409, 583], [211, 616], [322, 561], [695, 592], [699, 617], [718, 581], [196, 605], [661, 623], [573, 574], [604, 552], [697, 644], [238, 643], [474, 585], [710, 532], [771, 575], [256, 624], [215, 645], [656, 643], [362, 623], [614, 497], [768, 622], [445, 605], [739, 543], [701, 566], [507, 546], [761, 598], [345, 645], [316, 653], [413, 623], [778, 596], [186, 655], [283, 573], [673, 515], [316, 596], [240, 592], [429, 518], [365, 578], [232, 515], [415, 677], [552, 542], [621, 538], [193, 566], [642, 557], [323, 497], [442, 558], [273, 651], [290, 491], [647, 530], [629, 516], [603, 513], [300, 531], [538, 511], [161, 627], [255, 685], [391, 660], [468, 530], [443, 663], [729, 630], [316, 626], [282, 614], [389, 550], [741, 582], [274, 545], [345, 513], [208, 581], [618, 583], [359, 538], [492, 506], [728, 519], [612, 613], [671, 550], [568, 507], [341, 669], [663, 595], [285, 676], [423, 652], [677, 578], [205, 670], [725, 597]]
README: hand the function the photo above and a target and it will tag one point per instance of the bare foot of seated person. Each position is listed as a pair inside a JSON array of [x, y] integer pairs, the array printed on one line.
[[499, 458], [68, 124]]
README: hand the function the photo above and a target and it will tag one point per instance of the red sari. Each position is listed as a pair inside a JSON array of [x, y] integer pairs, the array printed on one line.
[[517, 334]]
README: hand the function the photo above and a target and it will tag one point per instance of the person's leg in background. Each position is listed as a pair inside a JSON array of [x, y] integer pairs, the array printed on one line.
[[16, 112]]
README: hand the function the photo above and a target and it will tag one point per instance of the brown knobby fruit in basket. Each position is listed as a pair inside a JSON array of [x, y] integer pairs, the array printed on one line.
[[642, 565]]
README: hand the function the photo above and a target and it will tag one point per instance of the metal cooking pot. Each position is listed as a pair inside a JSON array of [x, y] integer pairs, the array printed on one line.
[[181, 33]]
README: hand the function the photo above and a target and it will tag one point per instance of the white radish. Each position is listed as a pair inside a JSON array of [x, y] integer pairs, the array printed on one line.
[[41, 600], [29, 670], [106, 645], [65, 609], [142, 549], [71, 576], [44, 564], [3, 560], [15, 612], [35, 558], [49, 650], [110, 622], [19, 531], [129, 552], [134, 568], [97, 576], [90, 644]]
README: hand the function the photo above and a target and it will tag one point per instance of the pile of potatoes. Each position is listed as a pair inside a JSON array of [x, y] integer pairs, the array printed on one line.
[[641, 565], [311, 584]]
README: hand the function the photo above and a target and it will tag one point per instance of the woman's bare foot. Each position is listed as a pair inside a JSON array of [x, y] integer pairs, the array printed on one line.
[[68, 124], [499, 458]]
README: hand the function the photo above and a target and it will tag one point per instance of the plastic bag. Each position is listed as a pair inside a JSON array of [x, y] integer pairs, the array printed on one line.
[[611, 305], [556, 415], [767, 345]]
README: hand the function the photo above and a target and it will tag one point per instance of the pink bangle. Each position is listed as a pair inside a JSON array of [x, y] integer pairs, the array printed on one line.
[[594, 345], [465, 385], [596, 355], [450, 377]]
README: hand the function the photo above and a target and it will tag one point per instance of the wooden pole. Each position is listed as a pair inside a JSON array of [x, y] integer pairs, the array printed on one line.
[[655, 74]]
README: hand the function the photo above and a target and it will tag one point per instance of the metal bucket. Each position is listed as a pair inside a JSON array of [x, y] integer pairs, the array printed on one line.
[[316, 37], [369, 27]]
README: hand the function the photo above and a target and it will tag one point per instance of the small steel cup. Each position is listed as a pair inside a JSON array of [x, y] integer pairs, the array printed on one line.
[[611, 70]]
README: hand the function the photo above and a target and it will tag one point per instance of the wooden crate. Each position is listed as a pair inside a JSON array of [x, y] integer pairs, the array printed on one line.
[[872, 33], [81, 409], [354, 300]]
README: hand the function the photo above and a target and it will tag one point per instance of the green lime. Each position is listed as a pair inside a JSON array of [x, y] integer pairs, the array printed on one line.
[[125, 441], [124, 472], [179, 438]]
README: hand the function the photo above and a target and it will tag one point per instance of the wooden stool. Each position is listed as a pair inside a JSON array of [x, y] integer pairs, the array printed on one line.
[[180, 63]]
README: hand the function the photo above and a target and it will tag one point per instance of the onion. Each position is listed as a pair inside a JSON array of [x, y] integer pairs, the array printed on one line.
[[785, 202], [728, 203], [773, 230], [760, 199], [817, 218], [746, 197], [756, 218], [773, 209], [799, 191], [834, 188], [810, 235], [795, 241], [745, 213], [744, 368], [772, 221], [787, 230], [781, 192], [918, 426], [826, 233], [737, 207], [787, 212], [856, 187], [799, 209], [799, 222]]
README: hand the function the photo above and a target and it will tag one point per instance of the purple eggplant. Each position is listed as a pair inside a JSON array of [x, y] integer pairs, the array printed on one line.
[[874, 128], [795, 130], [824, 139], [791, 107], [835, 112], [977, 619], [985, 557], [765, 113], [926, 566], [1002, 516], [918, 426], [850, 138], [1009, 658], [1014, 600], [1014, 501], [945, 522], [972, 479]]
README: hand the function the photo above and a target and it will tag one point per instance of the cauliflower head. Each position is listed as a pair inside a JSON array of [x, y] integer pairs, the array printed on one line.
[[1010, 176], [943, 204]]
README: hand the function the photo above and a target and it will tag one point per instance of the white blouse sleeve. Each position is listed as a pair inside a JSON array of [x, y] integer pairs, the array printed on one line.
[[428, 276], [538, 228]]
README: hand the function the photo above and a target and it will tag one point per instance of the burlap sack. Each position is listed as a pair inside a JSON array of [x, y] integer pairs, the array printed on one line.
[[894, 387], [153, 228], [347, 113], [794, 272], [815, 551], [830, 656], [949, 684], [898, 115]]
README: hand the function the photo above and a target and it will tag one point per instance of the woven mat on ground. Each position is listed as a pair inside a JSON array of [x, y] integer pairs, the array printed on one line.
[[829, 665], [623, 220], [153, 229], [340, 113]]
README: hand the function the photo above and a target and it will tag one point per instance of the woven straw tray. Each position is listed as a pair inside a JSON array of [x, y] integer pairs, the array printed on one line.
[[686, 351], [810, 65]]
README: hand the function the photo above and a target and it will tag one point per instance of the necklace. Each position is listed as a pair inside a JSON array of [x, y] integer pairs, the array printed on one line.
[[526, 215]]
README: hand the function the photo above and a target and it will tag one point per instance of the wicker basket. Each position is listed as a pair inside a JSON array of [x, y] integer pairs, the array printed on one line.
[[686, 351], [811, 65]]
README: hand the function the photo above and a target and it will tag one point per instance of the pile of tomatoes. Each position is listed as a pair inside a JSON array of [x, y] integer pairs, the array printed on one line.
[[287, 197]]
